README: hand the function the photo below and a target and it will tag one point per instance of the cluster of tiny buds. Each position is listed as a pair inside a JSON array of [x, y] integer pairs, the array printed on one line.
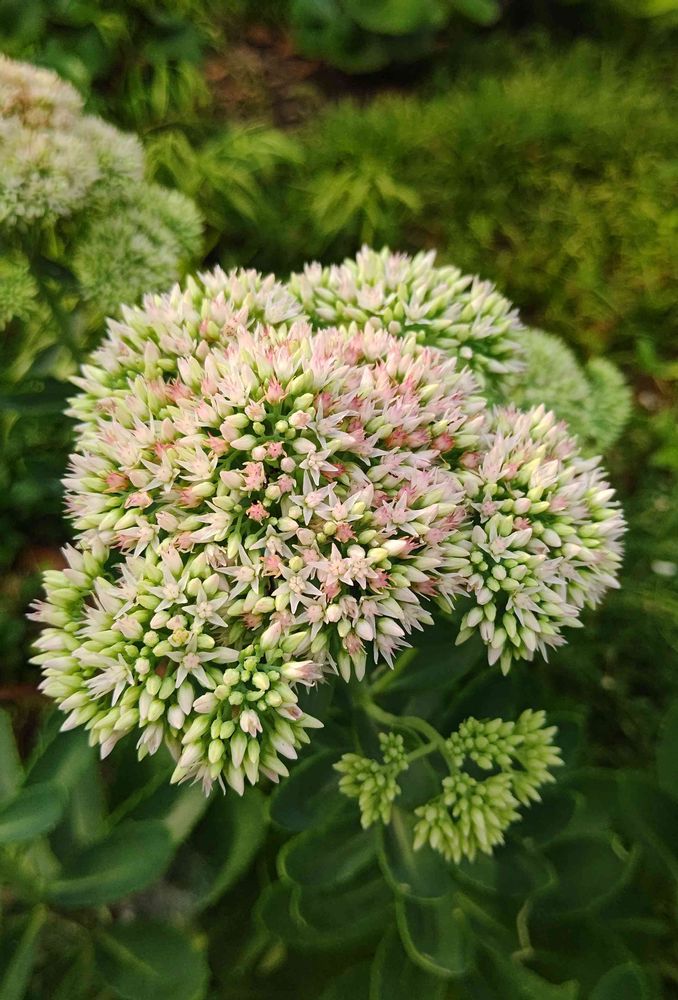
[[374, 783], [470, 814]]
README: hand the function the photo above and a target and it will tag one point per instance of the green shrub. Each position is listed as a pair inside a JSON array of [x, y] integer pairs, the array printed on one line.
[[230, 174], [362, 36], [561, 192]]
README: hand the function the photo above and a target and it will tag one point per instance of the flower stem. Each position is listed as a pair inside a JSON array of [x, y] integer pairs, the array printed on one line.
[[411, 722], [423, 751]]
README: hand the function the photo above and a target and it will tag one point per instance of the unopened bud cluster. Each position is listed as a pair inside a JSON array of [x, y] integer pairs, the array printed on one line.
[[374, 783], [471, 814], [592, 399]]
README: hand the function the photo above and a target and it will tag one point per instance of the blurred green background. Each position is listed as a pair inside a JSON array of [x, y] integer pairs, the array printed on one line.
[[531, 141]]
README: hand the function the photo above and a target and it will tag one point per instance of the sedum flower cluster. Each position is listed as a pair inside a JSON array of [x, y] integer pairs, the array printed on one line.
[[470, 320], [471, 814], [262, 503], [269, 505], [55, 158], [454, 312], [542, 539], [72, 189]]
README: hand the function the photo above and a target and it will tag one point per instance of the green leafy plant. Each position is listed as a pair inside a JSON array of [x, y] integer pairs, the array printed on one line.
[[89, 871], [503, 160], [644, 9], [517, 924], [139, 61], [229, 177], [364, 37], [360, 37]]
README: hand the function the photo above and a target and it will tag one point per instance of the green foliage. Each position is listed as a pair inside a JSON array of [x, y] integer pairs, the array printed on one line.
[[645, 9], [88, 867], [580, 862], [230, 176], [141, 61], [364, 36], [151, 961], [560, 193]]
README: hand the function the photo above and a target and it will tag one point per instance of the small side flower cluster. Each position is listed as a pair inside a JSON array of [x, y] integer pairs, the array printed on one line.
[[374, 783], [472, 814], [457, 313], [543, 537]]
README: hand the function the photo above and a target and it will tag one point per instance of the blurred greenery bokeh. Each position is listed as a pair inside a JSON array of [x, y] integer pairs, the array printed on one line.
[[535, 144]]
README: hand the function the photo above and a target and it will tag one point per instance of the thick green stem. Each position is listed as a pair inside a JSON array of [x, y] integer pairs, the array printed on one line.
[[411, 722], [423, 751]]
